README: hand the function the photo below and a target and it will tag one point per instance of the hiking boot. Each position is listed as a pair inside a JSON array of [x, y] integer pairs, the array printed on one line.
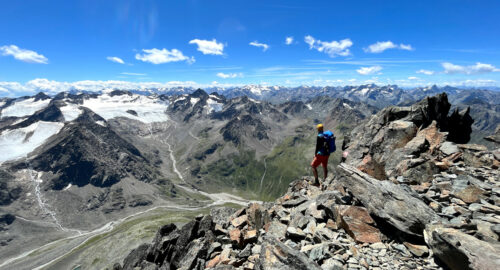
[[316, 183]]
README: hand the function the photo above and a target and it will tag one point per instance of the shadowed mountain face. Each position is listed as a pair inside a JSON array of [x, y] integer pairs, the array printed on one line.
[[86, 151]]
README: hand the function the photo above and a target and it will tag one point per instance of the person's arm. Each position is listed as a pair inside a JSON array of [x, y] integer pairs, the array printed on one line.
[[318, 145]]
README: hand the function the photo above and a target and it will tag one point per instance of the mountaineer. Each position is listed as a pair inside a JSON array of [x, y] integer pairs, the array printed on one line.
[[325, 145]]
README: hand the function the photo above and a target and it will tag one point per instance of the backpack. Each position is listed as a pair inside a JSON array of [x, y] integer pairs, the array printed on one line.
[[330, 140]]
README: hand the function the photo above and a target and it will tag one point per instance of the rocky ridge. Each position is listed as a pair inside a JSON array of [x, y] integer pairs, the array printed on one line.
[[408, 196]]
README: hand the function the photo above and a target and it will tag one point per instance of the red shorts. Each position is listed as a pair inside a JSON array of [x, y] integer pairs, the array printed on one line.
[[319, 159]]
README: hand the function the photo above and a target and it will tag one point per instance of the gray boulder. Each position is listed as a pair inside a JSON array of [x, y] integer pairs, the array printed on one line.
[[462, 251], [388, 201], [277, 256]]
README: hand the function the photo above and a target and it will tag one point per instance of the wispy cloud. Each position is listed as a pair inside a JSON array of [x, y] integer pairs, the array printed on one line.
[[133, 74], [406, 47], [386, 45], [478, 68], [229, 75], [424, 71], [115, 59], [24, 55], [369, 70], [472, 51], [261, 45], [209, 46], [413, 78], [288, 40], [332, 48], [156, 56], [368, 61]]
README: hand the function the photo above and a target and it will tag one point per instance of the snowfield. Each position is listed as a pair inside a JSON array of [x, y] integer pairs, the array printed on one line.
[[148, 109], [194, 101], [70, 112], [214, 105], [24, 107], [18, 143]]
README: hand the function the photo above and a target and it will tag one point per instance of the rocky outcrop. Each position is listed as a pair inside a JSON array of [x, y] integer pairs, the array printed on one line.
[[495, 137], [9, 190], [276, 255], [388, 201], [247, 125], [462, 251], [400, 139]]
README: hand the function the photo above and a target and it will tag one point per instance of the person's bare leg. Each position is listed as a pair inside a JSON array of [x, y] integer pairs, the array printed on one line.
[[315, 172], [325, 174]]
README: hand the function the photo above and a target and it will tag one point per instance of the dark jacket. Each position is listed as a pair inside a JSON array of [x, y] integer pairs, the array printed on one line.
[[321, 145]]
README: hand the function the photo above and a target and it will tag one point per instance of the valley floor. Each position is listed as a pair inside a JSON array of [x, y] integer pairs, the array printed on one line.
[[91, 250]]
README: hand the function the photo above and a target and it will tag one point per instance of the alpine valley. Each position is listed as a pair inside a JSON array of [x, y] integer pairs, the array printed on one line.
[[87, 177]]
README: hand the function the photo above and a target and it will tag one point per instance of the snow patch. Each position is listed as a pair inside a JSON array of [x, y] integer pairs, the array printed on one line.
[[70, 112], [214, 105], [254, 101], [179, 99], [148, 109], [364, 91], [101, 123], [214, 97], [194, 101], [18, 143], [67, 187], [24, 107], [2, 103], [256, 89], [18, 121], [309, 106], [347, 106]]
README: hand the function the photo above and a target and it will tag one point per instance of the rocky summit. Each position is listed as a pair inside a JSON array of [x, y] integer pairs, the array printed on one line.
[[409, 194]]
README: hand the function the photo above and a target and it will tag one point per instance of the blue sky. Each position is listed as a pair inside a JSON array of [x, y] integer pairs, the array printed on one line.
[[54, 44]]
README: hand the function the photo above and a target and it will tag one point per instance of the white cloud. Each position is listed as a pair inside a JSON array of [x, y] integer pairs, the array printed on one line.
[[413, 78], [369, 70], [426, 72], [478, 68], [156, 56], [53, 87], [333, 48], [288, 40], [229, 75], [406, 47], [23, 54], [261, 45], [115, 59], [385, 45], [209, 47]]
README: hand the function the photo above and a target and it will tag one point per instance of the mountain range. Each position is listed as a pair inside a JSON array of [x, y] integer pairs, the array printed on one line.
[[77, 162]]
